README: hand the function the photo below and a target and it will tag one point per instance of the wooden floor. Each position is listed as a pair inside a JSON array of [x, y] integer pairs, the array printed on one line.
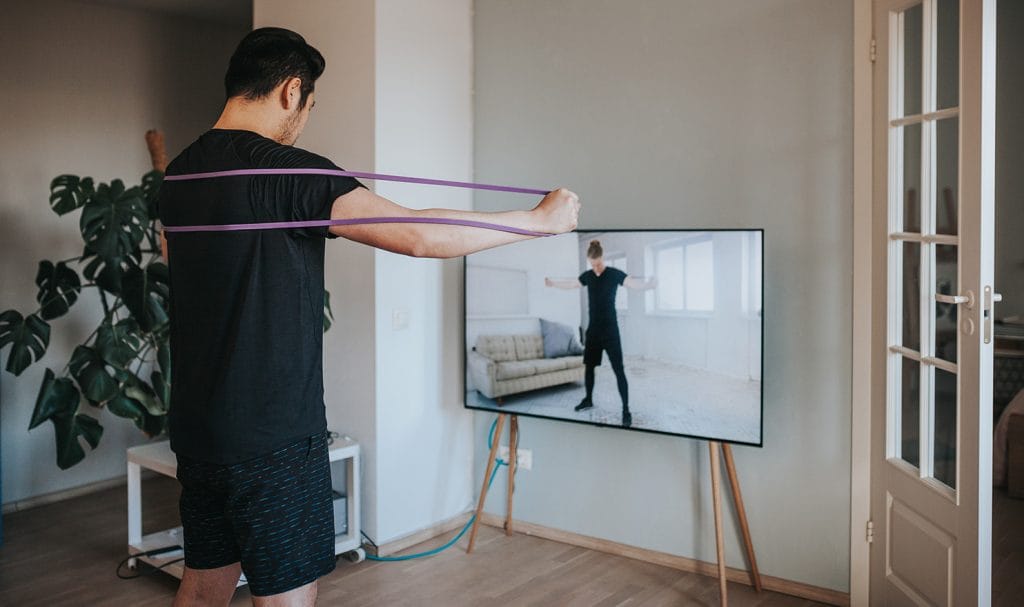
[[65, 554]]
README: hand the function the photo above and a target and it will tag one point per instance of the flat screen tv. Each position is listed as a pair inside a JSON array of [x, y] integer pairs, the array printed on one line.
[[649, 330]]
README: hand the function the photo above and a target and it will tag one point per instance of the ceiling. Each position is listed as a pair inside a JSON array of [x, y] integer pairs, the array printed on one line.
[[226, 12]]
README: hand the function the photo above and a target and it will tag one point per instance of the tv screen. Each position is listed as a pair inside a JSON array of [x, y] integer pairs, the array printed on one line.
[[650, 330]]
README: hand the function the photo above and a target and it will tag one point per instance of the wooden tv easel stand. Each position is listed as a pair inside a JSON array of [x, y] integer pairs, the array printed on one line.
[[717, 451]]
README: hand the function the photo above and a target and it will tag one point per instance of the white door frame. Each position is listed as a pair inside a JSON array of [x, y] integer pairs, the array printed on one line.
[[863, 220], [860, 416]]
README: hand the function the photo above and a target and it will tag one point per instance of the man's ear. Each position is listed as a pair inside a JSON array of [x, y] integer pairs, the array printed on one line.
[[291, 93]]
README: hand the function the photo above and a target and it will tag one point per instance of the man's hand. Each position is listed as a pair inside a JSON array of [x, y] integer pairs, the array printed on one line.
[[558, 212]]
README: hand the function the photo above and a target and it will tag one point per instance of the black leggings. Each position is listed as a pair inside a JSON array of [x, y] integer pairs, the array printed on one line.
[[615, 358]]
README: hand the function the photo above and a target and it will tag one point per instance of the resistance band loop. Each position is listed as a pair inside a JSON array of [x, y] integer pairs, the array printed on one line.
[[357, 174], [316, 223], [280, 225]]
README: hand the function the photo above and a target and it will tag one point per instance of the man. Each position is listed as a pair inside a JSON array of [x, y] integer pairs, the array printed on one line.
[[602, 334], [247, 418]]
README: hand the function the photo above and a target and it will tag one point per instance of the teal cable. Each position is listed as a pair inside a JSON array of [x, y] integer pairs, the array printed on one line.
[[469, 523]]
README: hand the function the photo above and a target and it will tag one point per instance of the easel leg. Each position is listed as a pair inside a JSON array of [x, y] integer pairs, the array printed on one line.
[[716, 496], [487, 476], [513, 449], [730, 467]]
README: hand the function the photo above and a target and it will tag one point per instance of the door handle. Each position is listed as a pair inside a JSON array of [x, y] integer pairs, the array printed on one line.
[[991, 299], [967, 298]]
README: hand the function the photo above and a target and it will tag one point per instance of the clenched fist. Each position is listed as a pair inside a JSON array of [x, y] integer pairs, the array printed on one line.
[[558, 212]]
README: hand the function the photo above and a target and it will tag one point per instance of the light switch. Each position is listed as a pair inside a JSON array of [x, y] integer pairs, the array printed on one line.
[[399, 319]]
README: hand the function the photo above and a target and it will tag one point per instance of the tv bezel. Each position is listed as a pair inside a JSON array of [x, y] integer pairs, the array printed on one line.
[[465, 358]]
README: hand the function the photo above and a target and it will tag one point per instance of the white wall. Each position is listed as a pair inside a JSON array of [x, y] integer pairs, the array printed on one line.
[[698, 114], [80, 86], [424, 126]]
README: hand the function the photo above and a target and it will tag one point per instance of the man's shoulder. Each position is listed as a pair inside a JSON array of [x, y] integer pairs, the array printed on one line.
[[264, 153]]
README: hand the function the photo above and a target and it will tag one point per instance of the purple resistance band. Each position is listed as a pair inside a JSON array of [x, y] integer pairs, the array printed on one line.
[[277, 225]]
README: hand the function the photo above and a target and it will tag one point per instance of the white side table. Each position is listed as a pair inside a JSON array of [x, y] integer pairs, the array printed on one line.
[[159, 458]]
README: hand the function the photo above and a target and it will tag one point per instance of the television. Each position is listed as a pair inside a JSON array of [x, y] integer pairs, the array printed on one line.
[[648, 330]]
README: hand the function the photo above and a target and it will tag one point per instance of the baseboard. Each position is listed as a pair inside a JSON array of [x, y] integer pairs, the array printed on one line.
[[418, 537], [798, 589], [66, 494]]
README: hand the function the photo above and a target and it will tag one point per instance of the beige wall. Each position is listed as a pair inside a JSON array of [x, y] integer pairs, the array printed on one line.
[[80, 85], [690, 114]]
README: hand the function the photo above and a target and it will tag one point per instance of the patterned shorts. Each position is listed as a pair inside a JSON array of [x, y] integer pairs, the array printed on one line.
[[274, 514]]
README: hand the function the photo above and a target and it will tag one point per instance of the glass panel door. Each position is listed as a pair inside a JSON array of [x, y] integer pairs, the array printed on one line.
[[923, 250]]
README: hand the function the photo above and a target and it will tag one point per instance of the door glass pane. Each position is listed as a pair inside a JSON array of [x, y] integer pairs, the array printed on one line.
[[945, 314], [910, 412], [945, 427], [912, 296], [947, 60], [947, 156], [912, 178], [913, 21]]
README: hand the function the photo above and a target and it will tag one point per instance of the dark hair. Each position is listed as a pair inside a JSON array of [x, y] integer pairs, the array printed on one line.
[[268, 56], [595, 251]]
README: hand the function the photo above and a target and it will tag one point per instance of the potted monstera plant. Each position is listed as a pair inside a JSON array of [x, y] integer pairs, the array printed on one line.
[[124, 365], [121, 264]]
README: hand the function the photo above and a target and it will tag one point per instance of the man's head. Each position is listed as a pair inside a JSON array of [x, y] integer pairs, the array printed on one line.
[[595, 255], [272, 73]]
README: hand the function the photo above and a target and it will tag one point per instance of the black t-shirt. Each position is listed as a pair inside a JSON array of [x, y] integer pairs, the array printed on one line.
[[246, 307], [601, 299]]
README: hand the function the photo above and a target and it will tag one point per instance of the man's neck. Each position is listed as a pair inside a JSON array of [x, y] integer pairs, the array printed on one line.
[[247, 116]]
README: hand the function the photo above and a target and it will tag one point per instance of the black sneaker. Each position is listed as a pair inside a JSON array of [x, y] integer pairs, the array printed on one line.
[[586, 403], [627, 419]]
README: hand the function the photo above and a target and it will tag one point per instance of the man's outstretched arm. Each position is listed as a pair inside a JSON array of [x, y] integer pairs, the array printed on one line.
[[555, 214], [563, 283], [641, 284]]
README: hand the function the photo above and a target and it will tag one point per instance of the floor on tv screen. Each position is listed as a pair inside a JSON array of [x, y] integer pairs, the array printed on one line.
[[662, 396]]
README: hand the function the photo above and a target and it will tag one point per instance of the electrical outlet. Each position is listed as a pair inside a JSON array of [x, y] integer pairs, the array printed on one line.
[[524, 461]]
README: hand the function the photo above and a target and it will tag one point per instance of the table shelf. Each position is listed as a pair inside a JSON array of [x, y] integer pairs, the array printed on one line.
[[159, 458]]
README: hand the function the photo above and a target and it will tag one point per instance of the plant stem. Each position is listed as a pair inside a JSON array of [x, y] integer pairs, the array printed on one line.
[[106, 306]]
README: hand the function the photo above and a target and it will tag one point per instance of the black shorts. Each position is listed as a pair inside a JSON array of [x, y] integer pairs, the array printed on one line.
[[274, 514], [596, 344]]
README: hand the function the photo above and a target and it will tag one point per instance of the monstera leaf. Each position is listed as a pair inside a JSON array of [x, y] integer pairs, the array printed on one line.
[[151, 183], [58, 402], [161, 378], [328, 314], [68, 429], [140, 404], [59, 287], [56, 397], [28, 337], [143, 393], [146, 293], [114, 221], [90, 371], [119, 343], [106, 273], [68, 192], [128, 408]]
